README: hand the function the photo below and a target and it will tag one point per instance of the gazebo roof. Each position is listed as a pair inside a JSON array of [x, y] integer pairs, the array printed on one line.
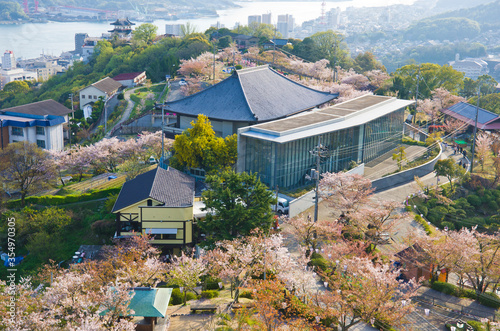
[[251, 95]]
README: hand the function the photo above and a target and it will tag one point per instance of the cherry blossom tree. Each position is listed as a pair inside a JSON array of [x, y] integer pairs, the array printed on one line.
[[376, 222], [359, 290], [483, 148], [238, 260], [359, 81], [59, 160], [454, 126], [377, 78], [309, 233], [445, 98], [186, 271], [478, 257], [345, 192]]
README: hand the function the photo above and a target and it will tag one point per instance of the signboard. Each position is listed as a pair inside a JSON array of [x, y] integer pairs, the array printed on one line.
[[167, 77]]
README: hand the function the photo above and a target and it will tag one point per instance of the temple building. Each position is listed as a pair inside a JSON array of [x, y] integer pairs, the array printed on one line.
[[282, 152], [249, 96], [122, 27]]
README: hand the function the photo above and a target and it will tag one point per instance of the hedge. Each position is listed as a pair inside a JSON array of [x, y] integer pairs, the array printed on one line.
[[209, 294], [422, 222], [246, 294], [177, 297], [409, 141], [56, 200], [456, 291], [489, 300], [477, 326]]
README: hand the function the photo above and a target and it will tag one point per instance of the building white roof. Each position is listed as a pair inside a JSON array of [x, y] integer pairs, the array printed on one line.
[[345, 115]]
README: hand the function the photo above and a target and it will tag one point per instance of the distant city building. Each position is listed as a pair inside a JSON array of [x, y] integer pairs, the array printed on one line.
[[472, 68], [122, 28], [217, 25], [88, 48], [79, 42], [333, 17], [45, 68], [266, 18], [285, 25], [8, 60], [173, 29], [7, 76], [254, 18]]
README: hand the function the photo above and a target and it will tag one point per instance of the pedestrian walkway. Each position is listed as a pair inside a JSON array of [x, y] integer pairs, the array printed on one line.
[[463, 306]]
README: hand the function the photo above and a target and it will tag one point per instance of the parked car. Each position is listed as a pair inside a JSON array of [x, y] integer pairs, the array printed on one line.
[[182, 83], [152, 160]]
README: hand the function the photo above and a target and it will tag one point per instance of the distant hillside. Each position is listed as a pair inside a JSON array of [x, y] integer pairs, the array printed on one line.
[[450, 28], [456, 4], [487, 15]]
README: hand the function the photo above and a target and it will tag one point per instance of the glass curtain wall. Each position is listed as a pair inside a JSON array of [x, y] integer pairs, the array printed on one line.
[[287, 164]]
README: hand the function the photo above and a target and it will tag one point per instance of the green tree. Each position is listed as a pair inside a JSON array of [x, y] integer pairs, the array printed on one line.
[[25, 168], [366, 62], [489, 102], [400, 156], [330, 45], [449, 169], [488, 84], [236, 204], [199, 147], [145, 33], [17, 87], [431, 76]]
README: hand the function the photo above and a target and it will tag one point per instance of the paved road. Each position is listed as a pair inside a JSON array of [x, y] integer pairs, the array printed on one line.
[[110, 106], [127, 112]]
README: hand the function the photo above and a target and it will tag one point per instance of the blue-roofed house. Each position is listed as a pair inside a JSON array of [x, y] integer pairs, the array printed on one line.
[[249, 96], [466, 112], [44, 130]]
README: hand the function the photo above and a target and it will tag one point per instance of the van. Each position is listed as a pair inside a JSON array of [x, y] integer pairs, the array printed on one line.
[[282, 207]]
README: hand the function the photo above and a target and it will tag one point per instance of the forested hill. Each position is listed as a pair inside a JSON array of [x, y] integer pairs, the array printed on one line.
[[486, 15]]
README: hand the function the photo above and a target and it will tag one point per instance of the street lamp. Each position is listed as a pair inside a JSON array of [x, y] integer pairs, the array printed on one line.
[[319, 151]]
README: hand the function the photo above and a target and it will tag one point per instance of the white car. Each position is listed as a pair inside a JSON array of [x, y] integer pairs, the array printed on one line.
[[182, 83]]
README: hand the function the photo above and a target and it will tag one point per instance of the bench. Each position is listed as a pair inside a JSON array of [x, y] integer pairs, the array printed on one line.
[[243, 305], [211, 308]]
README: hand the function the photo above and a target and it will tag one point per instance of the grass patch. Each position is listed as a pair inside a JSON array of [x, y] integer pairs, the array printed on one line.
[[297, 193]]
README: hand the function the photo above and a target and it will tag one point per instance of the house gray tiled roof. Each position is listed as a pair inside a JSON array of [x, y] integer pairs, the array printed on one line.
[[171, 187], [251, 95], [41, 108], [107, 85]]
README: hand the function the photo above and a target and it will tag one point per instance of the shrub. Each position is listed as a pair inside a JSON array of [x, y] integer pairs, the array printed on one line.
[[489, 300], [445, 288], [477, 326], [213, 283], [177, 297], [103, 227], [120, 96], [423, 210], [238, 66], [209, 294], [492, 204], [319, 262], [408, 208], [474, 200], [422, 222], [246, 294]]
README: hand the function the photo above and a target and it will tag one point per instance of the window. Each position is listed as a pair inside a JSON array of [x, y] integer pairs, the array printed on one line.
[[164, 236], [83, 96], [40, 143], [17, 131], [40, 130], [95, 96]]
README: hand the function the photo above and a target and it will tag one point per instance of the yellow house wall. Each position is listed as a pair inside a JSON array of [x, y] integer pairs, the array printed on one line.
[[166, 214], [135, 207]]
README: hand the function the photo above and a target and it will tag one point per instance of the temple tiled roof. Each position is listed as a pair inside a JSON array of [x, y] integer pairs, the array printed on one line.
[[251, 95]]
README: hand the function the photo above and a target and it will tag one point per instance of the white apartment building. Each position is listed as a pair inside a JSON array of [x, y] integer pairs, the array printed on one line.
[[472, 68]]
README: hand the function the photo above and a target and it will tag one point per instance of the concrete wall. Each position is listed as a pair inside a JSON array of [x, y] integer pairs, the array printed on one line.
[[406, 176]]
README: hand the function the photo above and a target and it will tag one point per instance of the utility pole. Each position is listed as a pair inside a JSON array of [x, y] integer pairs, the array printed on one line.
[[274, 44], [475, 128], [162, 158], [69, 121], [317, 152], [1, 130], [416, 95]]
